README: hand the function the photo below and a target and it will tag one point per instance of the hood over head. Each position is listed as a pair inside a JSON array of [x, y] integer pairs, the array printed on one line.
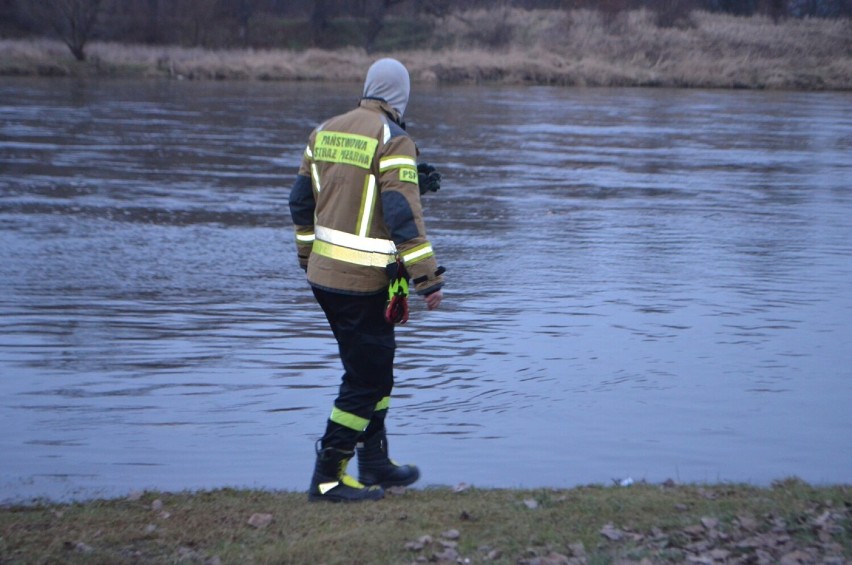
[[388, 79]]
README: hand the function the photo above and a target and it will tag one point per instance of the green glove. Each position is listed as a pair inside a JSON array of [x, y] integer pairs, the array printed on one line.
[[428, 178]]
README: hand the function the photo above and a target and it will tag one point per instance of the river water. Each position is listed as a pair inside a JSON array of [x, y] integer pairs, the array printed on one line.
[[644, 284]]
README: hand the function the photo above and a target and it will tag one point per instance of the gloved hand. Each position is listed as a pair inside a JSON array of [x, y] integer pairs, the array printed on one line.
[[428, 178], [396, 310]]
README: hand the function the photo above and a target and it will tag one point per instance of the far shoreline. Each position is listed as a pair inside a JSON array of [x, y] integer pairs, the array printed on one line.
[[714, 52]]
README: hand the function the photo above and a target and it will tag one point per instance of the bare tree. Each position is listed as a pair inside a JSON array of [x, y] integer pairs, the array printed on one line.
[[72, 20], [320, 18], [153, 21], [376, 10], [775, 9], [241, 11]]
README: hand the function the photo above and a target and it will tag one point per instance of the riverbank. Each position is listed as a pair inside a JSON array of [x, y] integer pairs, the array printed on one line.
[[510, 46], [790, 522]]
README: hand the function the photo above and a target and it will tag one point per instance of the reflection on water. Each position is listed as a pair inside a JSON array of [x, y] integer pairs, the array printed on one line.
[[641, 282]]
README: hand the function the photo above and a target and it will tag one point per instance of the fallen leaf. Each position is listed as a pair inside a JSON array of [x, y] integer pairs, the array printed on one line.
[[578, 550], [611, 532], [797, 557], [551, 558], [747, 523], [448, 554], [414, 546], [260, 520], [822, 519]]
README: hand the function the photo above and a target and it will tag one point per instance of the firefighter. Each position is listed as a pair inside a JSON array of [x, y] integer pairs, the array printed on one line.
[[359, 227]]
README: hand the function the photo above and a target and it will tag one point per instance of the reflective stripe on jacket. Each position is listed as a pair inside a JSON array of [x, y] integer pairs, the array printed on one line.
[[356, 204]]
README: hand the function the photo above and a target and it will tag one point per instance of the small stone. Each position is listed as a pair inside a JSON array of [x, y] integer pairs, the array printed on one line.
[[451, 534], [710, 523], [531, 504], [150, 529], [157, 505]]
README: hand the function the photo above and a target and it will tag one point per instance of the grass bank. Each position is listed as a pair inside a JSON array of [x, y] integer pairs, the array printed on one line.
[[790, 522], [511, 46]]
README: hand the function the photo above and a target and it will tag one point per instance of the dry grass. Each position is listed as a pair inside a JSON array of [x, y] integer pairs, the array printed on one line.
[[514, 46]]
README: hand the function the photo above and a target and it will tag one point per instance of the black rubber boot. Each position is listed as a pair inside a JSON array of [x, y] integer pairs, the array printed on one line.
[[331, 483], [376, 468]]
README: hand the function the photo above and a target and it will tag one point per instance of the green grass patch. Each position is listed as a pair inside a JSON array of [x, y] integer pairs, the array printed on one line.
[[589, 524]]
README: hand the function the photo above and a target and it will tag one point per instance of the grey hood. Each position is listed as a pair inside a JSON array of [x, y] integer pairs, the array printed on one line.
[[388, 79]]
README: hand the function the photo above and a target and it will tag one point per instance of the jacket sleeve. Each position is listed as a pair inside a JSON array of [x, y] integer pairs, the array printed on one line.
[[302, 207], [403, 213]]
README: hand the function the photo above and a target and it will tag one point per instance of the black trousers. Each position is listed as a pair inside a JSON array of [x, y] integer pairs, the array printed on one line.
[[367, 345]]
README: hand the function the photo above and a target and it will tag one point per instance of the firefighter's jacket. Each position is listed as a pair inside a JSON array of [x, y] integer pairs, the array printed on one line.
[[356, 205]]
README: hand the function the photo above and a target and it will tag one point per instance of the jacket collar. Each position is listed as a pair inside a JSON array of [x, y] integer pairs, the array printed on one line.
[[381, 105]]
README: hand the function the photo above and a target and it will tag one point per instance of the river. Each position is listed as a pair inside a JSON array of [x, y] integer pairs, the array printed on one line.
[[642, 284]]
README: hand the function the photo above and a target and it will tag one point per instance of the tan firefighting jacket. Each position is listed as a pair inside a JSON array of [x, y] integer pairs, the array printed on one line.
[[356, 205]]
